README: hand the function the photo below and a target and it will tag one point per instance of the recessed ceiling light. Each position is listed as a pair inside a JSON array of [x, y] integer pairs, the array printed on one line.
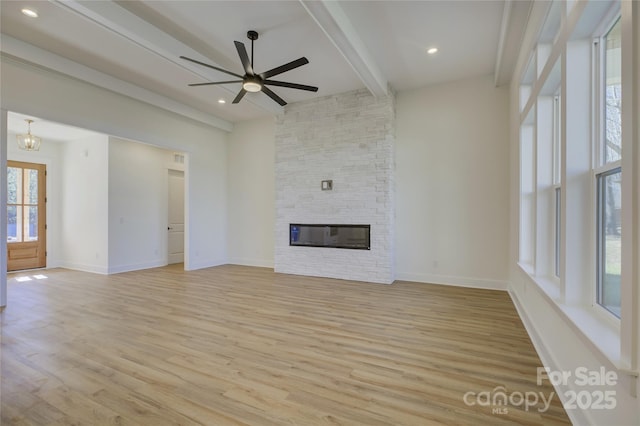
[[222, 101], [432, 50], [31, 13]]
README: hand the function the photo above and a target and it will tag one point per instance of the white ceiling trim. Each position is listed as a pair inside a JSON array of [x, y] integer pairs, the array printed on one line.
[[515, 17], [120, 21], [332, 19], [30, 53], [504, 25]]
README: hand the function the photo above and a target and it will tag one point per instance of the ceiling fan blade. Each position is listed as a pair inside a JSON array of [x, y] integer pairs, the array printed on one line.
[[284, 68], [244, 58], [240, 95], [291, 85], [211, 66], [215, 82], [273, 96]]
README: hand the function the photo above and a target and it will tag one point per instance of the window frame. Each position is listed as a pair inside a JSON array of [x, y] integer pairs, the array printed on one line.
[[600, 232], [599, 88], [557, 186], [557, 230], [600, 168]]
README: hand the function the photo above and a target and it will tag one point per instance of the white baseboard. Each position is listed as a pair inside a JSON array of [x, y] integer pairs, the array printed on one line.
[[204, 264], [137, 266], [336, 275], [260, 263], [453, 280], [95, 269], [53, 263]]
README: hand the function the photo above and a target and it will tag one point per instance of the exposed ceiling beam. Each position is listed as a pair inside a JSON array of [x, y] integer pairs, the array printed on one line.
[[515, 16], [32, 54], [115, 18], [336, 25], [504, 25]]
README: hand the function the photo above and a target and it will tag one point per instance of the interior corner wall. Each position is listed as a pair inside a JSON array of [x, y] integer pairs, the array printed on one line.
[[452, 184], [138, 205], [52, 96], [251, 201], [84, 203]]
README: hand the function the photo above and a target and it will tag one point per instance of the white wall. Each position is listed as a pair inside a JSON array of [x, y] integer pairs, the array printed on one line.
[[250, 161], [206, 206], [452, 184], [49, 155], [55, 97], [84, 203], [138, 205]]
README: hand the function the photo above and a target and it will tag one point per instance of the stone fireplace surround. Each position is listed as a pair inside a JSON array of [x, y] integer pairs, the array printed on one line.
[[347, 138]]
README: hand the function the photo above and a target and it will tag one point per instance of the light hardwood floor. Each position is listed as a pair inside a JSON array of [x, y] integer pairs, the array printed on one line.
[[241, 345]]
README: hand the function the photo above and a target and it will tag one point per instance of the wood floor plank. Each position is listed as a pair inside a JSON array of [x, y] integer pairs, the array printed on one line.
[[236, 345]]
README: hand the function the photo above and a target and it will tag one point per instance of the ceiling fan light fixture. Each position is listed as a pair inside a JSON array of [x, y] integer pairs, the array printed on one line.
[[28, 142], [252, 85], [31, 13]]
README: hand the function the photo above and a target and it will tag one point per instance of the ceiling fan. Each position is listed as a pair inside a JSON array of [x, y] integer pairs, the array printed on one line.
[[253, 82]]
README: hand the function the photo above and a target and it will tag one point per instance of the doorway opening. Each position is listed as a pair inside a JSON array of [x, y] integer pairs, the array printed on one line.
[[175, 227]]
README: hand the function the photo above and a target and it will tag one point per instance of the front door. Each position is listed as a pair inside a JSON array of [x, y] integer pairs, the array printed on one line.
[[26, 213]]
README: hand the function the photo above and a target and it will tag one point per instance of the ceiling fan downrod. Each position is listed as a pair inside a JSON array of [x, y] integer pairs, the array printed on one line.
[[252, 35]]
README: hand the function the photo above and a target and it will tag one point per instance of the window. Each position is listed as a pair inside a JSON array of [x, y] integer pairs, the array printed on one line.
[[612, 146], [22, 204], [609, 177], [557, 181], [609, 244], [577, 205], [557, 135], [558, 231]]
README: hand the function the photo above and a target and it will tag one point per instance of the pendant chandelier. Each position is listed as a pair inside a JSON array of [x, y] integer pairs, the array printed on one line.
[[29, 142]]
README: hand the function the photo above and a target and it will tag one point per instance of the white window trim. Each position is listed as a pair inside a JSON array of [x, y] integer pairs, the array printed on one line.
[[557, 239], [598, 85], [598, 148], [600, 328], [602, 312]]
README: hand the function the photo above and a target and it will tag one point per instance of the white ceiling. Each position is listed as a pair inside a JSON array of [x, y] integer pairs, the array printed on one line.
[[349, 44], [47, 130]]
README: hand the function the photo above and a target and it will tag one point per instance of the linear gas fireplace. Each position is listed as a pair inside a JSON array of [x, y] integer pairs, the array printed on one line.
[[335, 236]]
